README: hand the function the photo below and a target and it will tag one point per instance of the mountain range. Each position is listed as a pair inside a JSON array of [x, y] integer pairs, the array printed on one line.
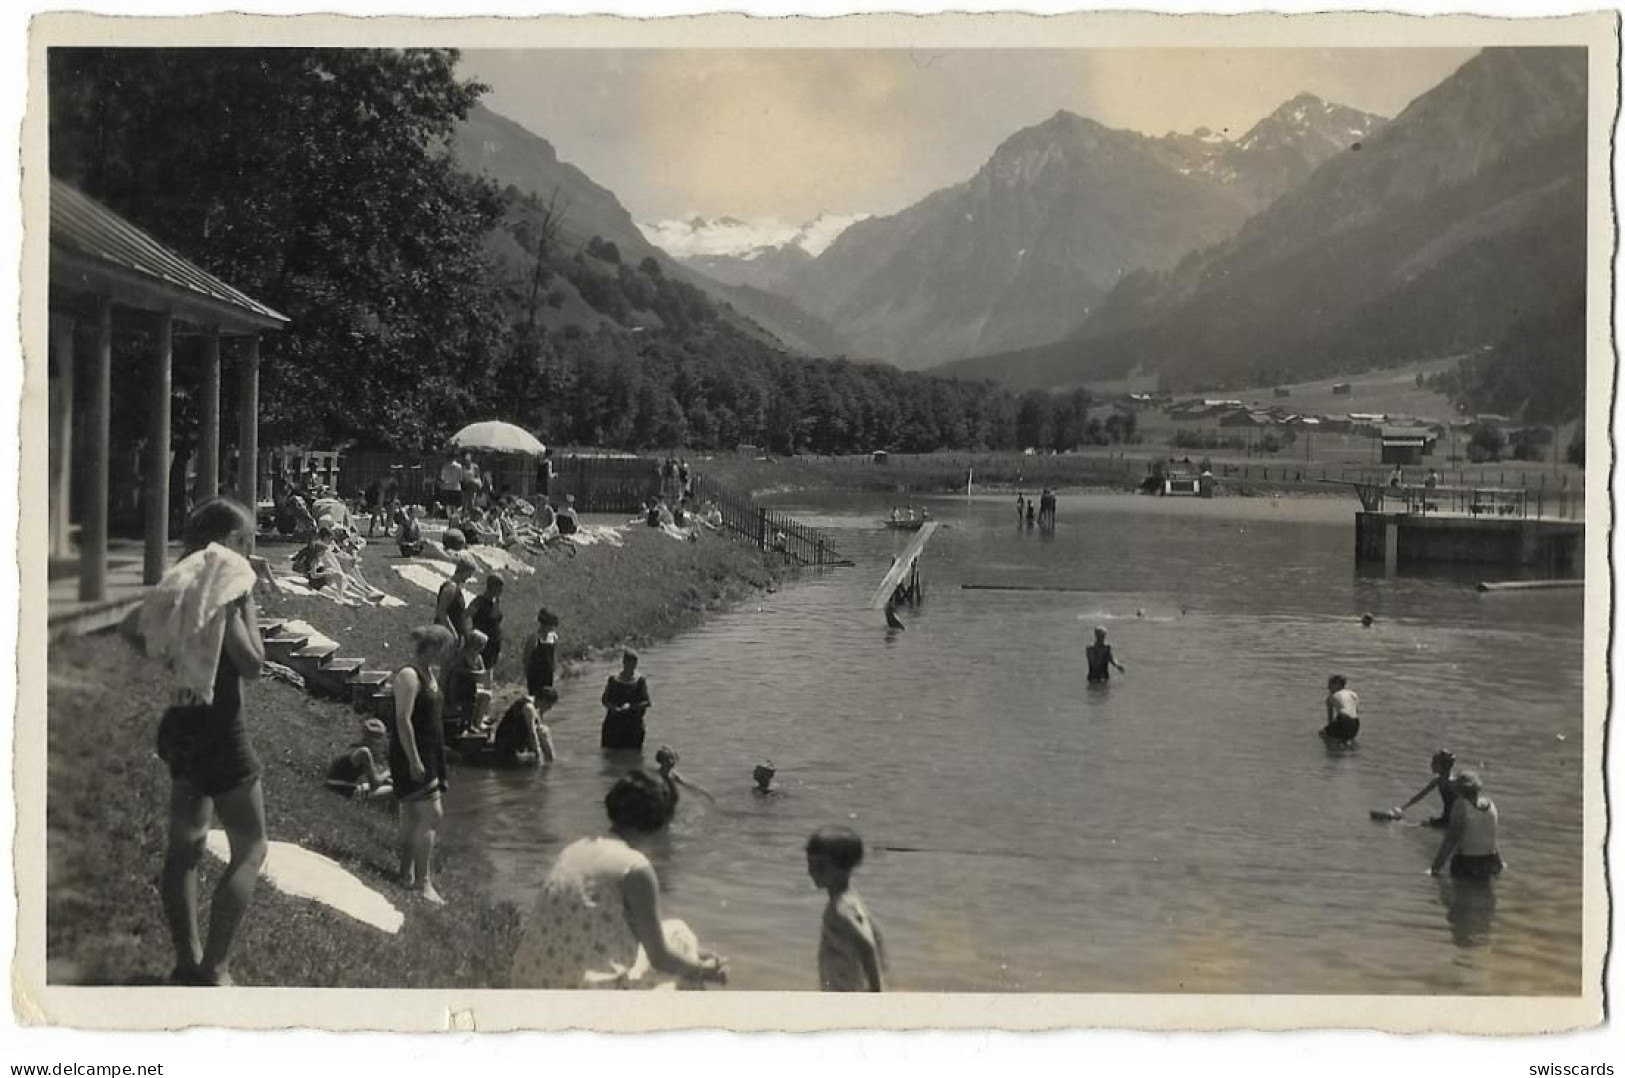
[[512, 156], [1022, 251], [756, 253], [1437, 236]]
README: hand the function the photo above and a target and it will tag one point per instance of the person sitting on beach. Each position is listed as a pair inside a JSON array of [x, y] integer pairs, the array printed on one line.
[[762, 775], [409, 534], [521, 737], [1396, 478], [568, 523], [851, 951], [679, 514], [1342, 711], [666, 758], [362, 770], [598, 923], [1099, 656], [711, 517], [466, 698], [1470, 845], [1443, 762], [626, 703], [543, 517]]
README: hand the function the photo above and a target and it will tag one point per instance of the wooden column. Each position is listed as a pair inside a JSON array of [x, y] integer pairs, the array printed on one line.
[[93, 534], [62, 330], [157, 480], [1390, 547], [248, 424], [208, 449]]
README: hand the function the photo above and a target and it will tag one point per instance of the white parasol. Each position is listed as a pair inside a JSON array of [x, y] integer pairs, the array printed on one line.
[[494, 436]]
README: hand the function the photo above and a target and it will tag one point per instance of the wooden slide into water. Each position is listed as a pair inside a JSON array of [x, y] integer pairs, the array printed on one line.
[[903, 565]]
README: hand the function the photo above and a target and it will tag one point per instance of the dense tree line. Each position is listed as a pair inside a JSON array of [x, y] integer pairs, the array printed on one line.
[[319, 182]]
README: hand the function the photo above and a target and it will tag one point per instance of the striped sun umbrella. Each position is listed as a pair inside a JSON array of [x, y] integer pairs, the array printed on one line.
[[494, 436]]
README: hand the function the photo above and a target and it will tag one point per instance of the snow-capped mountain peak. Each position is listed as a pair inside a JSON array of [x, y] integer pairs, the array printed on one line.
[[734, 237]]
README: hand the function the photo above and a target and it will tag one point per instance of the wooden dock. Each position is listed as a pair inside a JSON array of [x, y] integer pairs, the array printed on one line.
[[1395, 539]]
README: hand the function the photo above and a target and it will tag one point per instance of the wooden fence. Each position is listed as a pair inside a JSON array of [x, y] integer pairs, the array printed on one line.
[[766, 529]]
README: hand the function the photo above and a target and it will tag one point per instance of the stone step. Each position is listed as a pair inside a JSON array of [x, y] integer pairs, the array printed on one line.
[[281, 648], [363, 683], [271, 627], [331, 677], [316, 654]]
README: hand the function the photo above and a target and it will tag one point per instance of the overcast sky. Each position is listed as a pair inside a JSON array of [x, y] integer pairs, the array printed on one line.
[[790, 133]]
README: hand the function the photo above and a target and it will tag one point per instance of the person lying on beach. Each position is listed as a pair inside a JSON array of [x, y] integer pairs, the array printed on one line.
[[1470, 845], [362, 770], [1443, 762], [667, 759], [1342, 711], [851, 952]]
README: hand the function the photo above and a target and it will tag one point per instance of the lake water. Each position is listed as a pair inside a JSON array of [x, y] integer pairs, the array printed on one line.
[[1182, 830]]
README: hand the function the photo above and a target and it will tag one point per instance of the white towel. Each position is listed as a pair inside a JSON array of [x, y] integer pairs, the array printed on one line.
[[183, 618]]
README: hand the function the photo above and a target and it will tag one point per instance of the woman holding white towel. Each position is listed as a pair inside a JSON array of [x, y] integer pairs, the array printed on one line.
[[201, 620]]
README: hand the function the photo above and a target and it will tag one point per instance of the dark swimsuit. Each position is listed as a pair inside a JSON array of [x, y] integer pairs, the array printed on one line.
[[486, 616], [624, 729], [539, 665], [207, 745], [1100, 660], [456, 610], [1447, 795], [431, 744]]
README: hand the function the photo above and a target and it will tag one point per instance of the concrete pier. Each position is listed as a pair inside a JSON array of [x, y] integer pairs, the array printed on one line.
[[1396, 539]]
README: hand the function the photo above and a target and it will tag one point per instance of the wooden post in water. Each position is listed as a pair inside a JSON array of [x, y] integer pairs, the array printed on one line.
[[1390, 547]]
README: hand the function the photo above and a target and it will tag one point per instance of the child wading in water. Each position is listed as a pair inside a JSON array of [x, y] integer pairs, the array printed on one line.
[[1342, 711], [850, 950], [1443, 762]]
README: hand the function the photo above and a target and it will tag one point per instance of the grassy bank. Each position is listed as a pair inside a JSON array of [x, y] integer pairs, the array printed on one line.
[[107, 792]]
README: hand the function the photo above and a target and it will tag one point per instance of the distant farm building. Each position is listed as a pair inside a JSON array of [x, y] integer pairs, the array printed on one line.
[[1406, 445]]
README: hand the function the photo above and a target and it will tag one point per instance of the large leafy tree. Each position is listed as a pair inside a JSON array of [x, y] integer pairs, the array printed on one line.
[[318, 181]]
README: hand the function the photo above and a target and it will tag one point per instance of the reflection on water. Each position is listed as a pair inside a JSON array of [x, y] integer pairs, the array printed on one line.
[[1179, 829]]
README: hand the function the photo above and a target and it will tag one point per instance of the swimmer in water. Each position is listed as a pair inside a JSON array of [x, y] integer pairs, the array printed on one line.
[[763, 777], [1342, 711], [1444, 762], [667, 758], [1100, 658], [1366, 620], [892, 620]]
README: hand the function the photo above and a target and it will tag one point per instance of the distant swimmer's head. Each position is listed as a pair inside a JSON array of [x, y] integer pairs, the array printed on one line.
[[1443, 761], [763, 775], [666, 757], [639, 802], [1366, 620], [1337, 683]]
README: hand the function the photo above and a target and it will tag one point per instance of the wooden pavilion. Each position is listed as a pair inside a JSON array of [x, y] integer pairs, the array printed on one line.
[[108, 276]]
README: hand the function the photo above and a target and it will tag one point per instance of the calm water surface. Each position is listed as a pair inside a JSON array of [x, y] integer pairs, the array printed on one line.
[[1182, 829]]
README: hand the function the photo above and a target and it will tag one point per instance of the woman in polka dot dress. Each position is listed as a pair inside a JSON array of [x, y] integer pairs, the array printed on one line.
[[597, 923]]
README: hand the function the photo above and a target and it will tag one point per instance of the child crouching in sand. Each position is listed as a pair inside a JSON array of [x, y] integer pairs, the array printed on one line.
[[850, 950]]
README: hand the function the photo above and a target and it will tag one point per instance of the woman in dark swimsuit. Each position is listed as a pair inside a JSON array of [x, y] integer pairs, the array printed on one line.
[[417, 754], [485, 614], [541, 653], [214, 772], [626, 701]]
